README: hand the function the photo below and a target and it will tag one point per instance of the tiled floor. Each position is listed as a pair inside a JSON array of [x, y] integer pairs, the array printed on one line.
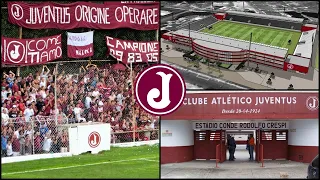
[[240, 168]]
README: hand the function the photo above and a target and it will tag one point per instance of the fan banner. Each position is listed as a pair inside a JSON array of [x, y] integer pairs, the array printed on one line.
[[131, 51], [83, 15], [30, 51], [133, 2], [80, 45]]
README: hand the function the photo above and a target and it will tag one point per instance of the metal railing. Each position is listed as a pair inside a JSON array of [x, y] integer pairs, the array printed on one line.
[[218, 155], [43, 135], [261, 154]]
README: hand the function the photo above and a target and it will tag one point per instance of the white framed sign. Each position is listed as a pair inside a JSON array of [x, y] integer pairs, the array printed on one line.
[[213, 125], [94, 138]]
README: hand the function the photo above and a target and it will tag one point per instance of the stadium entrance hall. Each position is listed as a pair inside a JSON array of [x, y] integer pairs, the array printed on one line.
[[282, 130], [211, 140]]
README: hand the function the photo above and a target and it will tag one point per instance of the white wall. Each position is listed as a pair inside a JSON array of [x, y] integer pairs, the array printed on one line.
[[239, 137], [182, 133], [304, 132]]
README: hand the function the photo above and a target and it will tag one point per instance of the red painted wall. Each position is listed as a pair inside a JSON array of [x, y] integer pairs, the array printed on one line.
[[220, 16], [185, 153], [176, 154], [294, 67], [166, 37], [198, 111], [241, 142], [307, 28], [308, 153]]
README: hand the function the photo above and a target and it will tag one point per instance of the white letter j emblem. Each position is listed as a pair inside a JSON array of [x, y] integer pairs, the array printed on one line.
[[155, 93]]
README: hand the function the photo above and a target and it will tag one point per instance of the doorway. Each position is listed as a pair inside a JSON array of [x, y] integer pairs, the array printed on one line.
[[241, 136], [209, 145]]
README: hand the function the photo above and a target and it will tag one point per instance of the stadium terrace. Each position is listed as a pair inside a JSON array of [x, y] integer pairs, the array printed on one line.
[[238, 38]]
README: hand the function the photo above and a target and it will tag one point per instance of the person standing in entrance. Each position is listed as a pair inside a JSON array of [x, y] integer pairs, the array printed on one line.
[[247, 148], [231, 147], [251, 146]]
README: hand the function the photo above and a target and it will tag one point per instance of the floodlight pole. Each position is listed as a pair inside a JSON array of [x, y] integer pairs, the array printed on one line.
[[248, 59], [133, 110], [55, 95], [243, 5], [189, 41], [212, 6]]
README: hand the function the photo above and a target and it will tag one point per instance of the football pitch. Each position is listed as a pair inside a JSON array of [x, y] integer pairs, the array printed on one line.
[[129, 162], [263, 35]]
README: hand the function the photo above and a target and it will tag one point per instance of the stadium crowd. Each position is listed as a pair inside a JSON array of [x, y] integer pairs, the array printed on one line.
[[28, 120]]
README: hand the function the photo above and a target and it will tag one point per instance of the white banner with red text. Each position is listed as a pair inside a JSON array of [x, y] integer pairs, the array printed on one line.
[[213, 125], [87, 137], [80, 45], [30, 51], [131, 51], [81, 14]]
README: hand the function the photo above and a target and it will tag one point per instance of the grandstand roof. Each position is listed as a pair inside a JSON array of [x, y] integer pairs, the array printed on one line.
[[305, 49], [216, 46], [228, 43], [266, 16], [197, 25], [300, 61]]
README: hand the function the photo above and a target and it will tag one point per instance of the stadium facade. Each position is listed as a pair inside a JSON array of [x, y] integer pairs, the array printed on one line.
[[285, 125], [235, 51]]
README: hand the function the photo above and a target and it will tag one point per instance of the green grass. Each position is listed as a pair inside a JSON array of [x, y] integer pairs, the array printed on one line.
[[116, 163], [264, 35], [226, 66]]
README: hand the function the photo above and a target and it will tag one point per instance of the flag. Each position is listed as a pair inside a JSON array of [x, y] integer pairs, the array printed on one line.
[[80, 45]]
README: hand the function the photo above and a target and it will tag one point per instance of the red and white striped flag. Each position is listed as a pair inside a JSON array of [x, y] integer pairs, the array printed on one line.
[[80, 45]]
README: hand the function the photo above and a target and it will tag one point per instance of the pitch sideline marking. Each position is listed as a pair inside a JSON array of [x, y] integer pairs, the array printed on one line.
[[145, 159], [82, 165]]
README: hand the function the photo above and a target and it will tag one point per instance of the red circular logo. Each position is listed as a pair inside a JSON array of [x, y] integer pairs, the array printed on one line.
[[312, 103], [290, 66], [94, 139], [160, 89]]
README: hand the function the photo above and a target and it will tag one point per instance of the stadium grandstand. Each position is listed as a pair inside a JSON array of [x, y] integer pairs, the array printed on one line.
[[40, 100], [242, 38], [102, 94]]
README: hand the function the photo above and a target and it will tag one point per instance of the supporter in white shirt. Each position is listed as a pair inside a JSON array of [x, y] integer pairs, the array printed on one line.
[[17, 132], [29, 101], [9, 148], [118, 106], [77, 111], [100, 108], [86, 78], [43, 93], [120, 98], [43, 83], [152, 124], [112, 96], [44, 74], [88, 101], [29, 131], [47, 143], [4, 93], [4, 116], [33, 95], [28, 113], [95, 93]]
